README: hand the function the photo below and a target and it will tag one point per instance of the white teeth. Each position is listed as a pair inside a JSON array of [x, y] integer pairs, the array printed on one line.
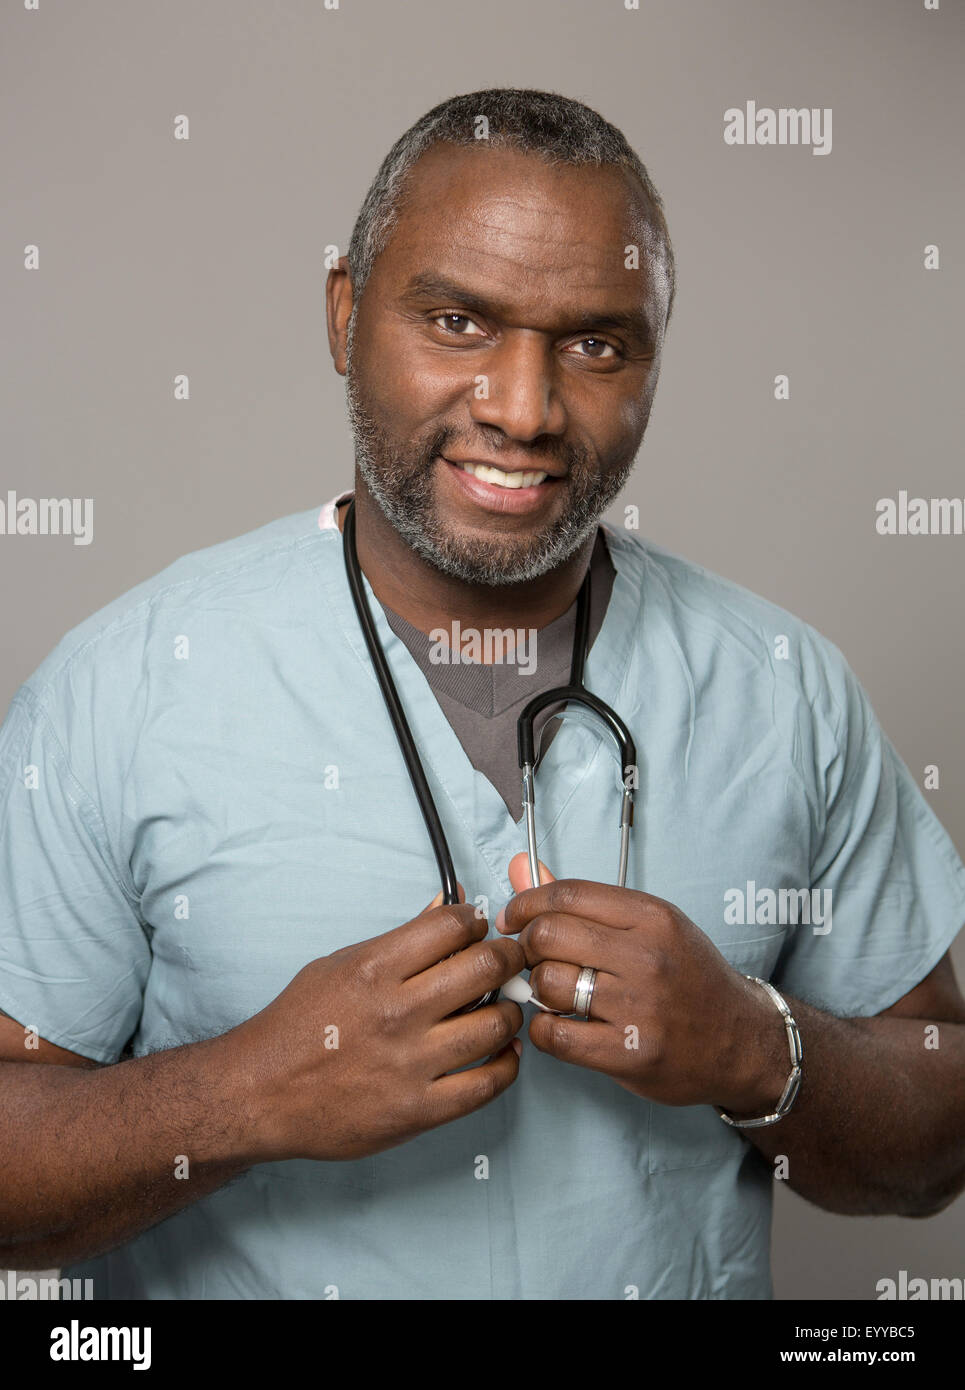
[[501, 479]]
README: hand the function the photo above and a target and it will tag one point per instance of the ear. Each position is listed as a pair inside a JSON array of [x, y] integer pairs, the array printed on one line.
[[338, 311]]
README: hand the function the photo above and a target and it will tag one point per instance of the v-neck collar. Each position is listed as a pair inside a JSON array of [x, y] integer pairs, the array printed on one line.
[[471, 800], [491, 689]]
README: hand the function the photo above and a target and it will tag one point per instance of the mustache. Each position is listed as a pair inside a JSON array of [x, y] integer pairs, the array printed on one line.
[[577, 461], [414, 464], [573, 457]]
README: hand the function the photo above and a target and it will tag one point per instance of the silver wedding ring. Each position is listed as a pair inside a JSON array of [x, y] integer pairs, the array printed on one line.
[[585, 983]]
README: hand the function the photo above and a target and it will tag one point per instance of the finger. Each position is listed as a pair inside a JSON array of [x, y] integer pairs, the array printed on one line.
[[456, 1042], [465, 976], [556, 936], [428, 938], [465, 1091], [597, 1046], [437, 900], [519, 875], [621, 908], [554, 985], [520, 878]]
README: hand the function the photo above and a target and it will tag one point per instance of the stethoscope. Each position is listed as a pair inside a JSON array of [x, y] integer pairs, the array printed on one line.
[[576, 693]]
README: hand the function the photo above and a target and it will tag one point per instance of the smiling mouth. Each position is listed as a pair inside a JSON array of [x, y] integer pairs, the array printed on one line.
[[500, 478]]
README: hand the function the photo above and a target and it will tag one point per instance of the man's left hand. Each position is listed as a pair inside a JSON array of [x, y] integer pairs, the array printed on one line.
[[670, 1019]]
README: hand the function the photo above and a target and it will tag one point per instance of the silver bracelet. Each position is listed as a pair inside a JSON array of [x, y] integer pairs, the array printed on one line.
[[793, 1081]]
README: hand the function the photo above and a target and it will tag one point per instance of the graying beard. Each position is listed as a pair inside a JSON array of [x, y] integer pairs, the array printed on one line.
[[408, 513]]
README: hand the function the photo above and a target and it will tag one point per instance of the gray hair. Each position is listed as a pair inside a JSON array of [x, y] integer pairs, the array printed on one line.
[[556, 128]]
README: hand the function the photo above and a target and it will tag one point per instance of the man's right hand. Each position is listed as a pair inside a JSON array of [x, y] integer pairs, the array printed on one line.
[[393, 1073]]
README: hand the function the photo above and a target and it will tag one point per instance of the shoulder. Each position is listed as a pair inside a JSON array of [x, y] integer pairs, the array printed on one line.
[[722, 626], [244, 570]]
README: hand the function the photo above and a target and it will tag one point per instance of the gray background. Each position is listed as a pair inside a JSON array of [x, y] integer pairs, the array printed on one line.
[[204, 256]]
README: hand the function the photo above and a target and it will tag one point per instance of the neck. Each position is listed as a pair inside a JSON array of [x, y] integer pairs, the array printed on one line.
[[405, 583]]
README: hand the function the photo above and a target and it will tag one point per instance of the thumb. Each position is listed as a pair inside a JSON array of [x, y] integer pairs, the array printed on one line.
[[437, 900], [519, 875]]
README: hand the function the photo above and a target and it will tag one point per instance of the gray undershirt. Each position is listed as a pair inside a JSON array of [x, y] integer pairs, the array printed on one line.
[[482, 701]]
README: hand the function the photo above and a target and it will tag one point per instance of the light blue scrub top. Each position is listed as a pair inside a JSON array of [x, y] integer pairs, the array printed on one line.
[[176, 856]]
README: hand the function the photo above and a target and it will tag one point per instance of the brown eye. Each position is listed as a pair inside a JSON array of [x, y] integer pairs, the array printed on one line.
[[459, 324], [598, 347]]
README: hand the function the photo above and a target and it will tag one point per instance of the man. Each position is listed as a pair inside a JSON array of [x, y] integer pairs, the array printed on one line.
[[264, 1078]]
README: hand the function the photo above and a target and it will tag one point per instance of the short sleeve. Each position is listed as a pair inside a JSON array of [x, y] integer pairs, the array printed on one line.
[[884, 873], [74, 957]]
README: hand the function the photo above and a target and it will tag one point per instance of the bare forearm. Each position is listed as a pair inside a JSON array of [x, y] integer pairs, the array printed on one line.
[[92, 1157], [879, 1123]]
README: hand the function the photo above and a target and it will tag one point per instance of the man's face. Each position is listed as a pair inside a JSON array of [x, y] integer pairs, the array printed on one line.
[[502, 327]]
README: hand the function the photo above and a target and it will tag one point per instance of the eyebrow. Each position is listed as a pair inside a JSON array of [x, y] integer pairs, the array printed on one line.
[[634, 325]]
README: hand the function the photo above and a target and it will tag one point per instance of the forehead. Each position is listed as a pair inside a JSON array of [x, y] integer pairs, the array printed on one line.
[[529, 232]]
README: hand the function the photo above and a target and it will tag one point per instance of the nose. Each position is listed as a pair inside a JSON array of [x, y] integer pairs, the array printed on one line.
[[520, 395]]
